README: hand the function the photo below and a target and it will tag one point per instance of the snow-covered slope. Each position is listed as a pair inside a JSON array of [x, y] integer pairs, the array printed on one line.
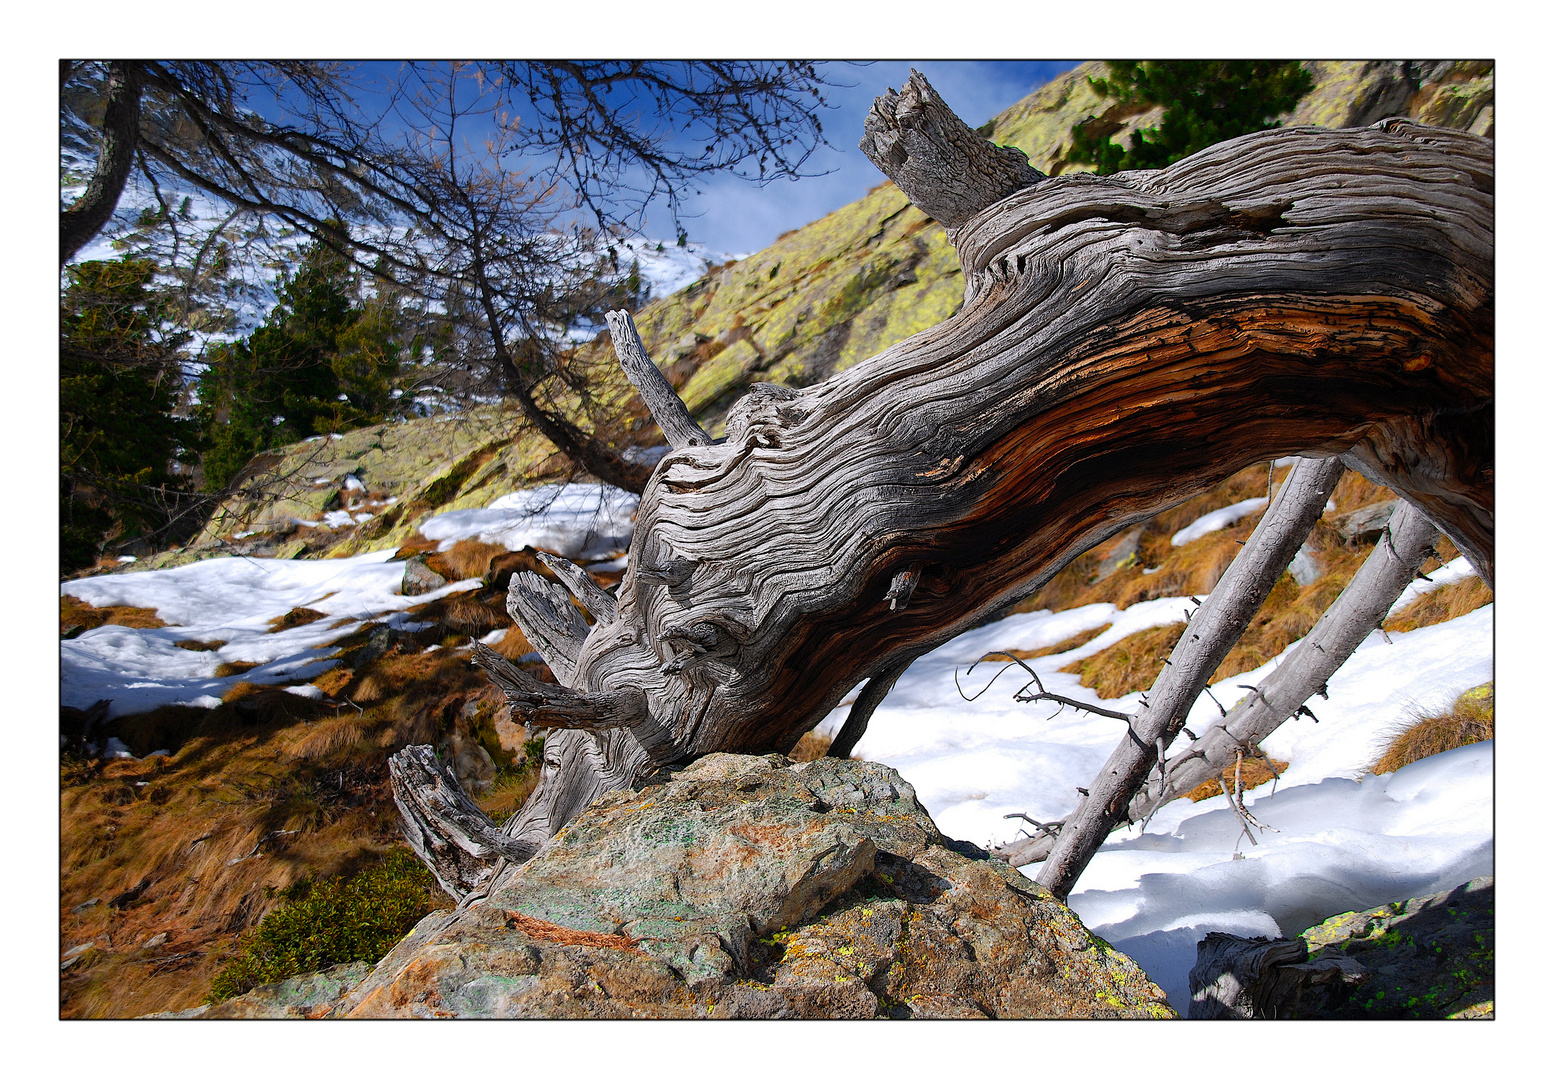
[[1344, 840]]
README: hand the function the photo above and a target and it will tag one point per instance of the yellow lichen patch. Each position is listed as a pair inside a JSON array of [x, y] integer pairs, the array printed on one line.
[[1471, 719]]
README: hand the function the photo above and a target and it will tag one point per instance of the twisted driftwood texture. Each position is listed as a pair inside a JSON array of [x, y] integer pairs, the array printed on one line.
[[1125, 343]]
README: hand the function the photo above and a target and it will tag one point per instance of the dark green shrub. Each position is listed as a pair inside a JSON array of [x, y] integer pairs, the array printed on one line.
[[1206, 101], [324, 361], [333, 921]]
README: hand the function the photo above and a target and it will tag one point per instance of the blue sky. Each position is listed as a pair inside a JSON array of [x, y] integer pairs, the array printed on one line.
[[739, 217]]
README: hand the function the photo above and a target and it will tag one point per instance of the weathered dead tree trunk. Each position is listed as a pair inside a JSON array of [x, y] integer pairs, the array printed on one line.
[[1125, 343], [1357, 611]]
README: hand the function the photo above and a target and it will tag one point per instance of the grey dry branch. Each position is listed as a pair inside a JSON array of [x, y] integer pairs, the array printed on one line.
[[1212, 631], [1302, 291], [1283, 694]]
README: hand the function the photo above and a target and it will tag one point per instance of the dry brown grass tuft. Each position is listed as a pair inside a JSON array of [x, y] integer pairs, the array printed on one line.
[[165, 728], [76, 616], [1441, 605], [415, 545], [1051, 650], [513, 644], [198, 646], [299, 616], [509, 793], [468, 614], [812, 746], [334, 681], [1354, 491], [1254, 771], [1134, 663], [332, 737], [234, 667], [1470, 720], [465, 559]]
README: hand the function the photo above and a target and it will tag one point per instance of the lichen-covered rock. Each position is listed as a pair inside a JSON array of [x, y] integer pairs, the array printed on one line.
[[753, 887], [304, 997], [1428, 958], [419, 578]]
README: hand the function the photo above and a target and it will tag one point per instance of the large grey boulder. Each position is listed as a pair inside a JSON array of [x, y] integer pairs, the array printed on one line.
[[1364, 526], [754, 887]]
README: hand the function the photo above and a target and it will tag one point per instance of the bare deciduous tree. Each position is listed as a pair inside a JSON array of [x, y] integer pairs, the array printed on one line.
[[491, 191]]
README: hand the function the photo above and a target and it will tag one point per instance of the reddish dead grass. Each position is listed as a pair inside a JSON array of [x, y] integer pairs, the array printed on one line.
[[1471, 719], [76, 616], [540, 930], [1254, 771], [1441, 605]]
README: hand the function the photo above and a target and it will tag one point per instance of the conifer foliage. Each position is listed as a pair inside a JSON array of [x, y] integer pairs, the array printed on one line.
[[323, 362], [120, 381], [1205, 101]]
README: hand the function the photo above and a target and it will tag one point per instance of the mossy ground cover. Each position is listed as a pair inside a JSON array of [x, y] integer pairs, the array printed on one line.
[[334, 920]]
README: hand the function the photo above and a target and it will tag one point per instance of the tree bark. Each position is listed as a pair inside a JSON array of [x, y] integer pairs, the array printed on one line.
[[121, 134], [1125, 343]]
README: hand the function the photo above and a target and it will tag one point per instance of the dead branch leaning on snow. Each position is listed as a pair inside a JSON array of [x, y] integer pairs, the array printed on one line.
[[1211, 633], [1352, 616]]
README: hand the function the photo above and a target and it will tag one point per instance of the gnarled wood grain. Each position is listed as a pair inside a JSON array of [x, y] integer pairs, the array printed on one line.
[[1125, 343]]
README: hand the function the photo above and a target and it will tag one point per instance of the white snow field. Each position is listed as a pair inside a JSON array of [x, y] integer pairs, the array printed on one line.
[[1345, 839]]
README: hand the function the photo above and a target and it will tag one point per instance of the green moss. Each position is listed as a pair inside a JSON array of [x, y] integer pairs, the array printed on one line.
[[332, 921]]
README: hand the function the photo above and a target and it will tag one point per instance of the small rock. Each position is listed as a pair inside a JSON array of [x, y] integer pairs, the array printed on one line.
[[156, 941], [419, 578], [1363, 526], [93, 902], [1123, 553], [1305, 567]]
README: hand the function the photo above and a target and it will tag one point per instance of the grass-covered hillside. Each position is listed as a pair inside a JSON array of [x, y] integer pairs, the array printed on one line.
[[228, 720]]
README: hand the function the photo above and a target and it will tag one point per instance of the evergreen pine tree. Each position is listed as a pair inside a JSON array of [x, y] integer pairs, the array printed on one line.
[[120, 379], [1206, 102], [324, 361]]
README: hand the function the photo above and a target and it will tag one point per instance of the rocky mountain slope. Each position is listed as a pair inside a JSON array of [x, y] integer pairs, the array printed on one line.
[[816, 302]]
